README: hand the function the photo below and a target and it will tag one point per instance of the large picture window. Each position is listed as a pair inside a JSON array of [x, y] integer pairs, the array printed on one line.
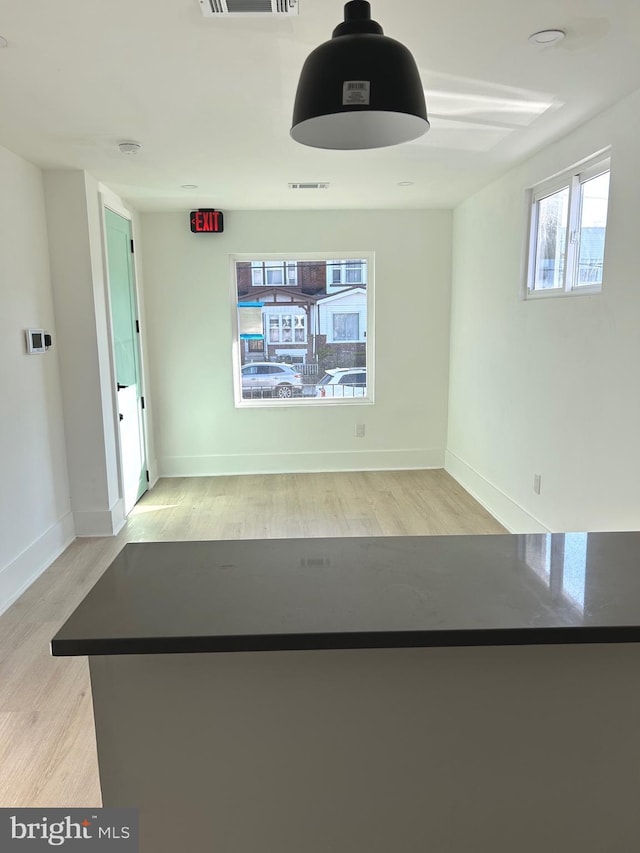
[[568, 226], [303, 330]]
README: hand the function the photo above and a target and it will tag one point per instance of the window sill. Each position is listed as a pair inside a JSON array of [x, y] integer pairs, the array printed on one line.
[[303, 402], [531, 295]]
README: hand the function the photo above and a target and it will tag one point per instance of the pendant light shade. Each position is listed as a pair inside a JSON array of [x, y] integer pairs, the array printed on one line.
[[361, 89]]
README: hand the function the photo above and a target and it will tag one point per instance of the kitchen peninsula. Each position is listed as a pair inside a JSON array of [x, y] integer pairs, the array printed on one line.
[[454, 694]]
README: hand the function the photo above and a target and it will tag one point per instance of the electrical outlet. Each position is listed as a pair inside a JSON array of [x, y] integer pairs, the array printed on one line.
[[359, 430], [537, 482]]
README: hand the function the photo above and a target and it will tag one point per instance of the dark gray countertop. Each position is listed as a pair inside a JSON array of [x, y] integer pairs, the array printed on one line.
[[287, 594]]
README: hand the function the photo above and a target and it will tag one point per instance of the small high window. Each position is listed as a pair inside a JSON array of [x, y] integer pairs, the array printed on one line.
[[567, 232]]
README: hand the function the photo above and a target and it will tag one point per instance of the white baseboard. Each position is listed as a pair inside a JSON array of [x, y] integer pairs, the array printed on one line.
[[100, 522], [299, 463], [505, 510], [153, 473], [118, 518], [29, 565]]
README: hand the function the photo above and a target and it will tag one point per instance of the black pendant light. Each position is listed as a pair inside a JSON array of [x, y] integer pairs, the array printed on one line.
[[361, 89]]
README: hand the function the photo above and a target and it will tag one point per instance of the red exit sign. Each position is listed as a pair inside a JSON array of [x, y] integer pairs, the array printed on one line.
[[206, 221]]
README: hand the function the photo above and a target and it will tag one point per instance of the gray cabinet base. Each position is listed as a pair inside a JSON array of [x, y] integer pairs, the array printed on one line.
[[449, 750]]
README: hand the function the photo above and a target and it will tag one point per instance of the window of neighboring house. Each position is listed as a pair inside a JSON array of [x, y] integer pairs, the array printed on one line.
[[346, 327], [286, 328], [567, 231], [274, 273], [346, 273], [323, 325]]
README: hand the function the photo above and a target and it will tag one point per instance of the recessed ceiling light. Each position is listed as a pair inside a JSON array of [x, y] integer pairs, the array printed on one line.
[[189, 186], [547, 37], [405, 183], [3, 42]]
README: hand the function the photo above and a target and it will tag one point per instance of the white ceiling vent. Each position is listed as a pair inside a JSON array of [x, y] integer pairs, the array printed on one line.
[[309, 186], [213, 8]]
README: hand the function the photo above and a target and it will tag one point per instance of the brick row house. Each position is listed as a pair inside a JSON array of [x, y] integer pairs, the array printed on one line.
[[314, 313]]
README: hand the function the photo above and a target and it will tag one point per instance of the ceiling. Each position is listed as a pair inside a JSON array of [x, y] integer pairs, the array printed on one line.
[[210, 99]]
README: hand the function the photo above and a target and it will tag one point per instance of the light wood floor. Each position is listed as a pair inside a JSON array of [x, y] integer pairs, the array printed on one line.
[[47, 746]]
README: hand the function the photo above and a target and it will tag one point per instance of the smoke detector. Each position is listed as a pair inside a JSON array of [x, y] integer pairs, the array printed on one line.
[[247, 8], [129, 147], [546, 38]]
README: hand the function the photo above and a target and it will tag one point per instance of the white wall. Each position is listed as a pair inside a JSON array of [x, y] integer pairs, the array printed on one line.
[[35, 519], [189, 321], [88, 387], [549, 386]]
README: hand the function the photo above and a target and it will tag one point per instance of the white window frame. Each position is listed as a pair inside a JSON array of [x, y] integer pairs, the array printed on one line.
[[368, 336], [572, 179]]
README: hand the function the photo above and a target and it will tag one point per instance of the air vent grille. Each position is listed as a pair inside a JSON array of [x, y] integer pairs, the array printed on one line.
[[213, 8], [309, 186]]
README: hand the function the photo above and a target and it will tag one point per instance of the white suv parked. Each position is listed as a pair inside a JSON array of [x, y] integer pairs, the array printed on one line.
[[262, 379], [343, 382]]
